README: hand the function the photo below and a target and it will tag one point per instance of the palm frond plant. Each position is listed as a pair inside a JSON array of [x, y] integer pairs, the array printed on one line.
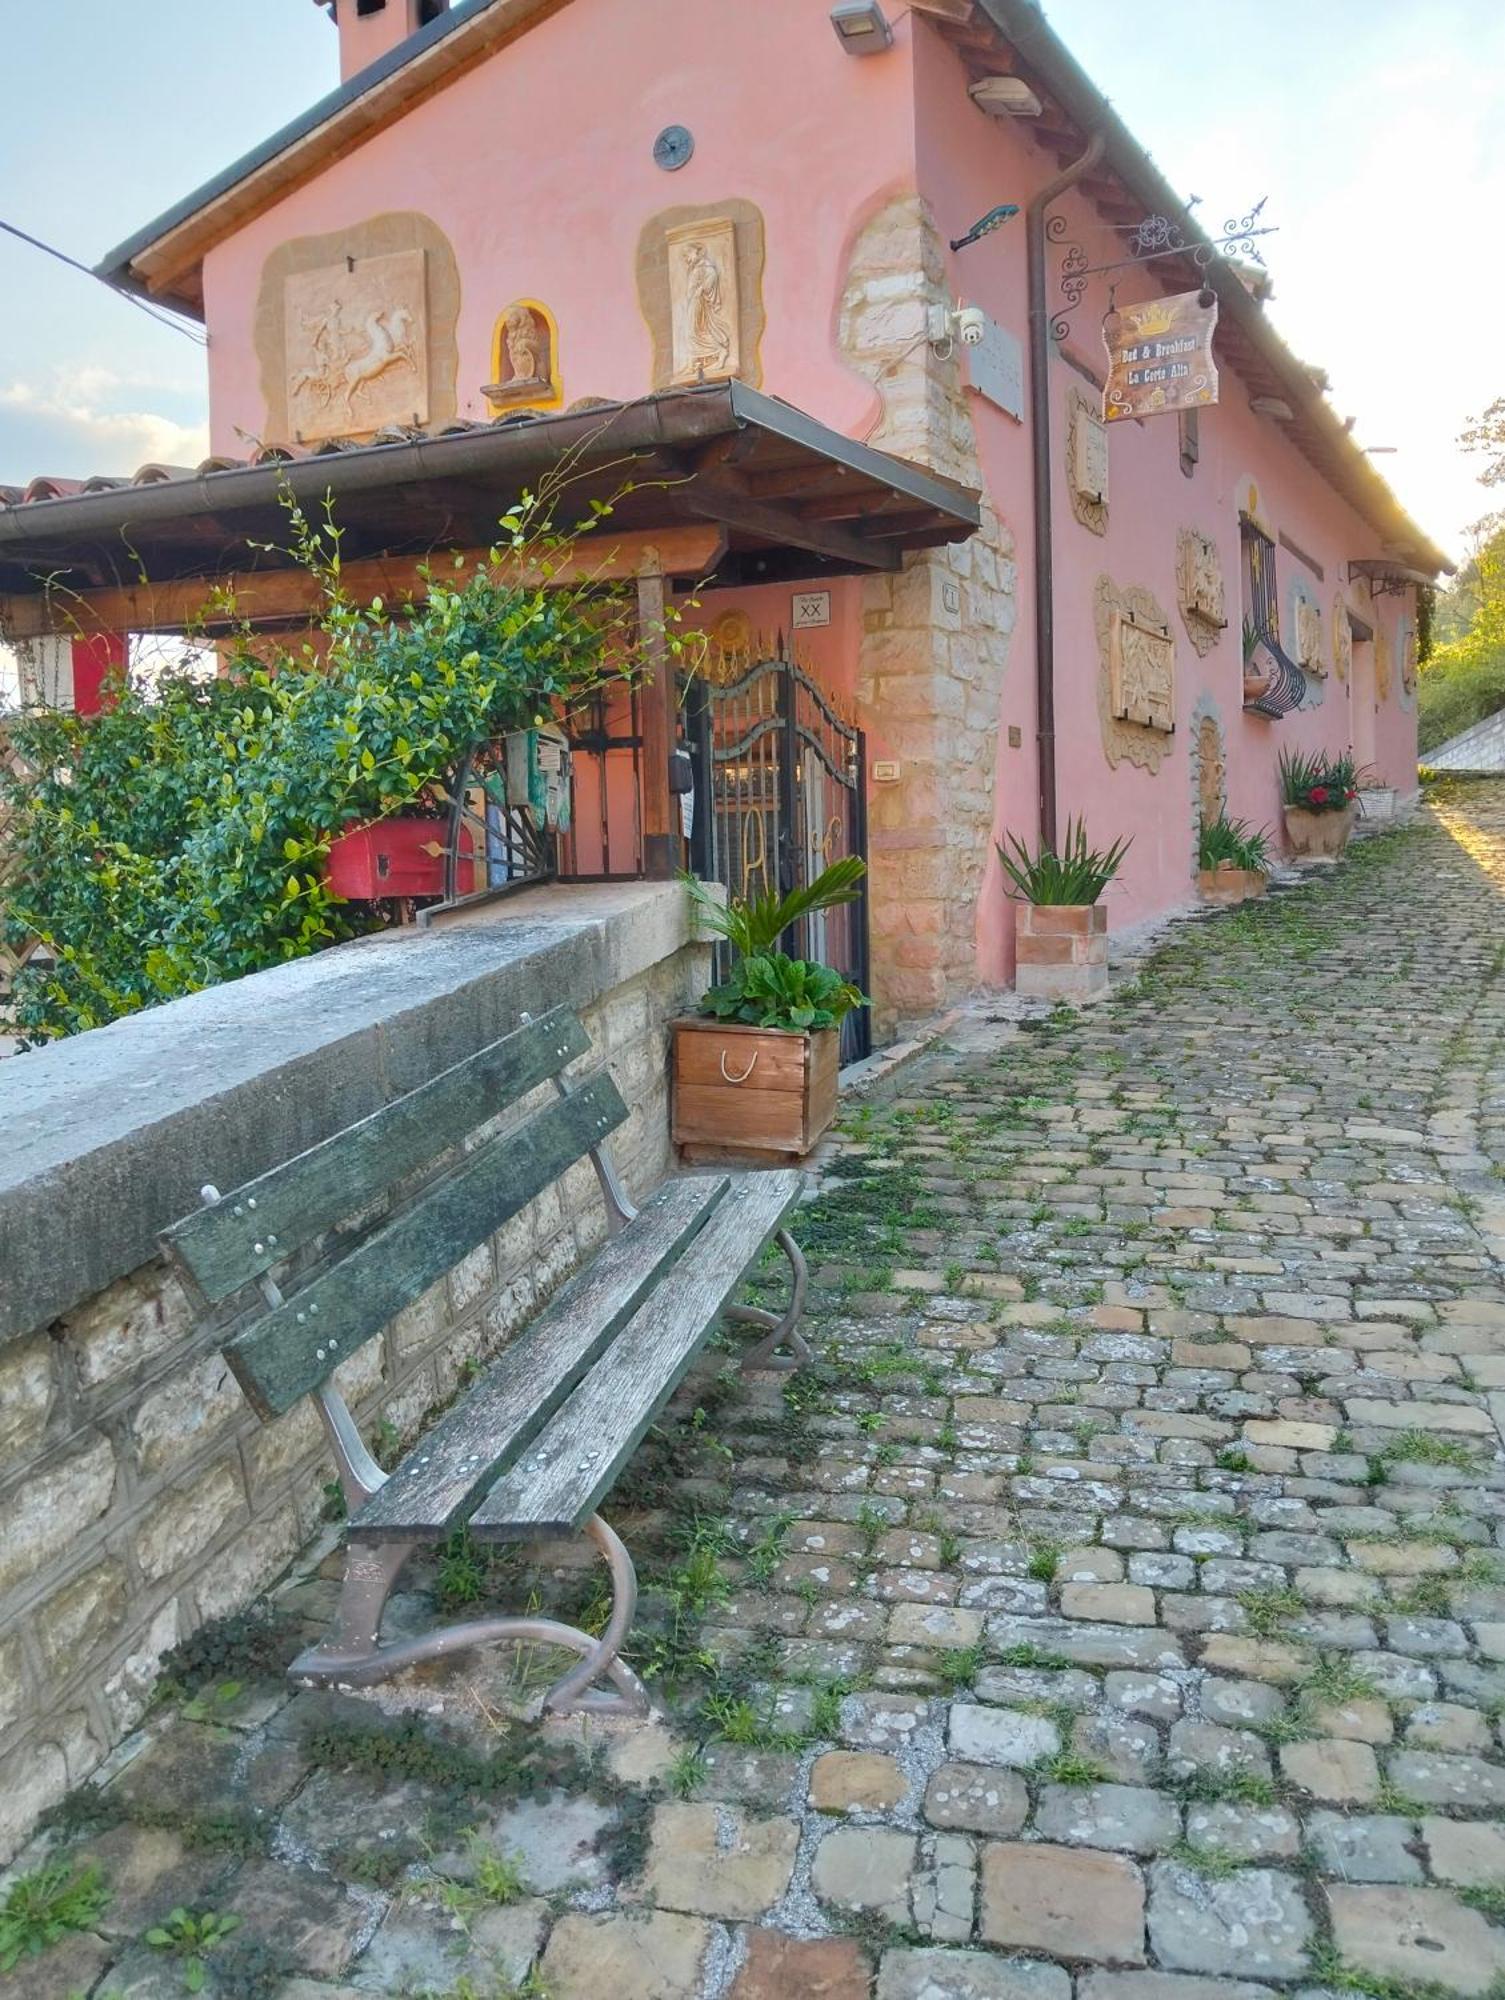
[[1232, 843], [1075, 874], [738, 1093]]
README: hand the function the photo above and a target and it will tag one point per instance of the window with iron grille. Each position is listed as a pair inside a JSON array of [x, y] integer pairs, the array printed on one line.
[[1261, 604]]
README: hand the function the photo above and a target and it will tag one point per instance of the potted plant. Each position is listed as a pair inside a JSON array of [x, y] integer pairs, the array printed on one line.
[[1232, 861], [755, 1071], [1255, 683], [1319, 799], [1060, 927]]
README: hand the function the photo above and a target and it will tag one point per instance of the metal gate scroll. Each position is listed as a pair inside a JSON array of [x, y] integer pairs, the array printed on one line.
[[779, 795]]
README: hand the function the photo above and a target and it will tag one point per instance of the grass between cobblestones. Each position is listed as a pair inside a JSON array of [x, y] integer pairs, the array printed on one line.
[[1140, 1518]]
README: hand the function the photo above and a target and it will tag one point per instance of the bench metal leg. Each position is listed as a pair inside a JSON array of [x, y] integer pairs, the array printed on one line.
[[783, 1333], [353, 1655]]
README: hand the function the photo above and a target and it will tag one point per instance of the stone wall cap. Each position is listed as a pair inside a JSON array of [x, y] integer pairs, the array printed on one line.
[[110, 1134]]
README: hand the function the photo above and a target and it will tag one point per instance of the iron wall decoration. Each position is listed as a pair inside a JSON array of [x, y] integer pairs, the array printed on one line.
[[1160, 356]]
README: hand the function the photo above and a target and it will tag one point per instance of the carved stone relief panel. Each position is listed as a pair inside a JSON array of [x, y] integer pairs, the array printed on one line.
[[1142, 673], [1211, 770], [1384, 664], [700, 287], [1087, 460], [525, 359], [1136, 674], [704, 321], [1342, 638], [1199, 573], [355, 331], [356, 337], [1308, 634]]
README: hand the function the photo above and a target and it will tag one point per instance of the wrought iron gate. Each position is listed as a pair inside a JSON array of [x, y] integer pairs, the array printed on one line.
[[779, 794]]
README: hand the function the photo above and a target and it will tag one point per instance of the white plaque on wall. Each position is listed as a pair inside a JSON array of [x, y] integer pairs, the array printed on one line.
[[811, 607], [995, 368]]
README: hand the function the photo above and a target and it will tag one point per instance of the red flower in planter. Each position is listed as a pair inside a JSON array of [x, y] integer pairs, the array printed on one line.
[[1351, 793], [1318, 795]]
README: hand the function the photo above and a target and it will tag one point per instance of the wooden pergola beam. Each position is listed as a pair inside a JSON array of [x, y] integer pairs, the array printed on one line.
[[271, 598]]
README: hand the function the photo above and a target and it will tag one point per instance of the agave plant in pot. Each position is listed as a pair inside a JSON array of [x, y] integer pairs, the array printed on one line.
[[1060, 927], [1233, 861], [1319, 796], [755, 1070]]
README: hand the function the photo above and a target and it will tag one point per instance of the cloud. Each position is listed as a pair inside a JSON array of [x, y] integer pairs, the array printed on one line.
[[73, 425]]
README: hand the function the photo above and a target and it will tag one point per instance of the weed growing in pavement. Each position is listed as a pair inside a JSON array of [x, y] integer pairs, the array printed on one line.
[[191, 1937], [1268, 1611], [1214, 1863], [1426, 1448], [1069, 1767], [957, 1668], [43, 1906], [688, 1772]]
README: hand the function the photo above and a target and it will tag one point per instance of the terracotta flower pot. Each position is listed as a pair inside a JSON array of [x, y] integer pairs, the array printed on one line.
[[1318, 836], [1060, 950], [1227, 884], [751, 1091]]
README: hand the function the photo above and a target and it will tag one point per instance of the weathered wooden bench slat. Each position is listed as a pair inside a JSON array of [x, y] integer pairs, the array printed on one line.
[[264, 1222], [296, 1346], [465, 1450], [574, 1461]]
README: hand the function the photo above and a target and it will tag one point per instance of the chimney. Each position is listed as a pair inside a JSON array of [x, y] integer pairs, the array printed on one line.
[[371, 29]]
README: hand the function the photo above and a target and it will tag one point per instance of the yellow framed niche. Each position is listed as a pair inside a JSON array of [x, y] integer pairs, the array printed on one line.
[[525, 359]]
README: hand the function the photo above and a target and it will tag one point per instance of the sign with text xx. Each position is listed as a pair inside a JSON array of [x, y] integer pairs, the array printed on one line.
[[1160, 356]]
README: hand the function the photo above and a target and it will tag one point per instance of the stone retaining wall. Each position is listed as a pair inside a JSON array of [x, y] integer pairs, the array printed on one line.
[[138, 1496]]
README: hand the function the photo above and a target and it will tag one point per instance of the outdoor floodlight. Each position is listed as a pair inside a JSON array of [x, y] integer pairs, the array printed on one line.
[[1005, 97], [862, 27]]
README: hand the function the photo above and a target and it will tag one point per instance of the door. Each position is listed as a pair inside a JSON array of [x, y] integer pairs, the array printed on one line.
[[779, 795]]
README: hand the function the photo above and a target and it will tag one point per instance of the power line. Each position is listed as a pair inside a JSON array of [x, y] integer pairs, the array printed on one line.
[[151, 311]]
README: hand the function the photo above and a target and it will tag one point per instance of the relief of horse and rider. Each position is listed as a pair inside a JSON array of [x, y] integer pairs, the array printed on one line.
[[356, 345]]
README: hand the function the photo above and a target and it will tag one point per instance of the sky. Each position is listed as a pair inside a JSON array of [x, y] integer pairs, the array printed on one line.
[[1375, 128]]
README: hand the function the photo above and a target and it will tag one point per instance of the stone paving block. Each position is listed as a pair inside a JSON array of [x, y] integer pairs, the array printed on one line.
[[1468, 1852], [1244, 1832], [1167, 1986], [1131, 1819], [1365, 1847], [778, 1968], [1329, 1768], [866, 1868], [943, 1893], [640, 1955], [713, 1861], [965, 1975], [1000, 1736], [1416, 1934], [1440, 1780], [856, 1781], [420, 1947], [1252, 1922], [1110, 1603], [976, 1798], [1070, 1902]]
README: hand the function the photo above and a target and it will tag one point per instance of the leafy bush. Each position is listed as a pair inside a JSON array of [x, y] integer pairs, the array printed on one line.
[[179, 838], [1316, 784], [1077, 874], [775, 991], [1463, 679], [1231, 842], [766, 987]]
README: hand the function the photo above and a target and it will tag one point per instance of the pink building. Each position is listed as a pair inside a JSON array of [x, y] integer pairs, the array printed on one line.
[[514, 210]]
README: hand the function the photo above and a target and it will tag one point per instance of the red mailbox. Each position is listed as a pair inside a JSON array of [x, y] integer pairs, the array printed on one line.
[[403, 856]]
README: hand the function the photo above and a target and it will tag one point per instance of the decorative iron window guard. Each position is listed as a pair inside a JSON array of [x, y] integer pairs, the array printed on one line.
[[1285, 683]]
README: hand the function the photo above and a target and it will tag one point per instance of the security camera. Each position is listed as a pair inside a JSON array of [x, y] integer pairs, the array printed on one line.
[[971, 324]]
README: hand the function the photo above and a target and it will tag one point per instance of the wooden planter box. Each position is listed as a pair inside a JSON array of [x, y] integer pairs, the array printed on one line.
[[751, 1091], [1318, 836], [1061, 950], [1231, 885]]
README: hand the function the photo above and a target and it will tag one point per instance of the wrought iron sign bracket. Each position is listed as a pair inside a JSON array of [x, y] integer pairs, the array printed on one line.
[[1156, 237]]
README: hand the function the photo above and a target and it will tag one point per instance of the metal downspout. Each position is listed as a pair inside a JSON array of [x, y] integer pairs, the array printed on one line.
[[1039, 397]]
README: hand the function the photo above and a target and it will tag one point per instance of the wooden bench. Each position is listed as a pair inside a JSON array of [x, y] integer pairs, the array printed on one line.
[[535, 1444]]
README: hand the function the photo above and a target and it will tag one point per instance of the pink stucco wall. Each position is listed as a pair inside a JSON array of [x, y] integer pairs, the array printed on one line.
[[537, 166]]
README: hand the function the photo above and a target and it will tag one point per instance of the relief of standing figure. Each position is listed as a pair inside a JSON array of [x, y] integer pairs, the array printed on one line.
[[710, 328]]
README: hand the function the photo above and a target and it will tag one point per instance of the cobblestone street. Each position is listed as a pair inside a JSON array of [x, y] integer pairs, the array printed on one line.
[[1115, 1612]]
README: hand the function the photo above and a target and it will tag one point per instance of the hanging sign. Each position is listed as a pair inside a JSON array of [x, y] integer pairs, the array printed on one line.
[[1160, 356]]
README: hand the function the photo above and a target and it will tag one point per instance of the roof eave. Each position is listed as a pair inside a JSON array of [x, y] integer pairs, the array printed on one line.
[[164, 259], [1021, 23]]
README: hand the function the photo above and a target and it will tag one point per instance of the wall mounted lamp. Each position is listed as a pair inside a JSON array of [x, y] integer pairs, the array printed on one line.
[[1005, 97], [862, 27]]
